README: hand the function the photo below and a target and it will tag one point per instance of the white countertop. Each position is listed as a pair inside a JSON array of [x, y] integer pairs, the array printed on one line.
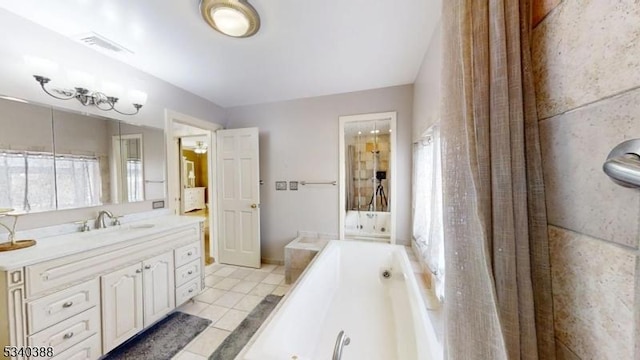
[[54, 247]]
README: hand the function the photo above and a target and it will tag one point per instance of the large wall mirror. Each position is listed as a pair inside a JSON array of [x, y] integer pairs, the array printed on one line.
[[52, 159], [367, 177]]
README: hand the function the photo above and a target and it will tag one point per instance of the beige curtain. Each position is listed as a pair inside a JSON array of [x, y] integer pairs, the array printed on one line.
[[498, 290]]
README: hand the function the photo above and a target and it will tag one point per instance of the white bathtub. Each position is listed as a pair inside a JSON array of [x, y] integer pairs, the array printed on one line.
[[367, 225], [343, 289]]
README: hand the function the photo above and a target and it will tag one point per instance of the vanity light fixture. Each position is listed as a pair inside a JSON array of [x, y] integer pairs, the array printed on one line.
[[88, 97], [235, 18], [105, 100], [201, 148]]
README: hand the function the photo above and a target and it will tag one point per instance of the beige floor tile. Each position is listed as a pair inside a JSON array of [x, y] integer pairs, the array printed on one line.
[[278, 270], [262, 289], [193, 307], [244, 287], [257, 276], [240, 273], [229, 300], [207, 342], [213, 313], [210, 295], [186, 355], [211, 280], [267, 267], [224, 271], [231, 320], [248, 302], [281, 290], [273, 279], [226, 284]]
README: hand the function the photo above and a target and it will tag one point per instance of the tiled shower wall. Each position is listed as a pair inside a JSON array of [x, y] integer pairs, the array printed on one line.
[[370, 156], [586, 57]]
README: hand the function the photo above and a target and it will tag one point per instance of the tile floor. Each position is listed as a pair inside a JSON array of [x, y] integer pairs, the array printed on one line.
[[230, 294]]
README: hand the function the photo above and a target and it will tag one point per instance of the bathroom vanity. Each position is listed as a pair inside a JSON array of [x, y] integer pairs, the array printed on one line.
[[83, 294]]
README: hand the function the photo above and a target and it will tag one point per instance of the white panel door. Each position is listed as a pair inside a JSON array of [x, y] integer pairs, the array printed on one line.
[[239, 197], [158, 287], [122, 315]]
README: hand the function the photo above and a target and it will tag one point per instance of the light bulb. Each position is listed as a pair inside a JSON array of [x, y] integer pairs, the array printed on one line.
[[230, 21]]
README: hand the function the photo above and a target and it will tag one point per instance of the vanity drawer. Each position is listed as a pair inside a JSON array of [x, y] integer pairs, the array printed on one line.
[[65, 334], [187, 272], [187, 291], [62, 305], [187, 254], [89, 349]]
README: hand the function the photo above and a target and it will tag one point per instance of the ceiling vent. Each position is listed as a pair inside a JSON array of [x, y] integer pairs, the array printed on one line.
[[101, 43]]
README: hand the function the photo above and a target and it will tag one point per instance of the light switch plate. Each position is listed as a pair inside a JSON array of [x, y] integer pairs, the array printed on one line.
[[293, 185], [281, 185]]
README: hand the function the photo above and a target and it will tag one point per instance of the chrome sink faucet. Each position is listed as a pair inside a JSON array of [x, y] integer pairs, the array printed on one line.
[[100, 222]]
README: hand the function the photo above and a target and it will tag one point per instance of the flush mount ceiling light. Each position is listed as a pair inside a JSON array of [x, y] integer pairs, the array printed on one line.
[[235, 18]]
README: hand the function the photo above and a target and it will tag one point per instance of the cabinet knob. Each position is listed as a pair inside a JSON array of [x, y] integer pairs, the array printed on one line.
[[190, 291], [190, 272], [67, 304], [147, 267], [68, 335], [138, 271], [189, 253]]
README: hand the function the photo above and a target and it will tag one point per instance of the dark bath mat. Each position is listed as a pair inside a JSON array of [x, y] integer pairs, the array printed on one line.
[[233, 344], [161, 341]]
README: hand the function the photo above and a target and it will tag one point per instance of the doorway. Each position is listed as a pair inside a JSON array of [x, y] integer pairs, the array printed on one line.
[[191, 180], [232, 190], [194, 183]]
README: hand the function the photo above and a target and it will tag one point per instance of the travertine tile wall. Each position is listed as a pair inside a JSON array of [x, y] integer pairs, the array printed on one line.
[[586, 58]]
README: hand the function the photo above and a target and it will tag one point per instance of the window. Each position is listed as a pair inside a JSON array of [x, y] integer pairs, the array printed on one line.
[[78, 180], [427, 204], [27, 181]]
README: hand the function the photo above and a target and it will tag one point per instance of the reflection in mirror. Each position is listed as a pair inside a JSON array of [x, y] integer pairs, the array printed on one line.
[[141, 163], [53, 159], [129, 167], [367, 176], [26, 157], [83, 152]]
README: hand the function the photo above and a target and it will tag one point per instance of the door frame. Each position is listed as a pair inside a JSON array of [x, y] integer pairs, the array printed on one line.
[[173, 168]]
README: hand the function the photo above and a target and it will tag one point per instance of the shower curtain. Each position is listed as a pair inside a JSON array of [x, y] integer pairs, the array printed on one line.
[[498, 292]]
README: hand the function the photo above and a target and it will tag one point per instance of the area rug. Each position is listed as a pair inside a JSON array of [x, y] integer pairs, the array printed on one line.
[[161, 341], [234, 343]]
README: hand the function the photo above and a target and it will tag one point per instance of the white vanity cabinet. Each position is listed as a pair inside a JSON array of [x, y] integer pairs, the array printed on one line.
[[84, 304], [122, 311]]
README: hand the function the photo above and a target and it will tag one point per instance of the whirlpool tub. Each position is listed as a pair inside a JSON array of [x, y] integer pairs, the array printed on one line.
[[366, 289]]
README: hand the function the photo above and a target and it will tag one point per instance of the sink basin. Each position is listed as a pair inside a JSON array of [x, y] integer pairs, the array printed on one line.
[[141, 226]]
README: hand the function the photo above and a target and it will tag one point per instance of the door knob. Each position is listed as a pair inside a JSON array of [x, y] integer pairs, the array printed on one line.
[[254, 206]]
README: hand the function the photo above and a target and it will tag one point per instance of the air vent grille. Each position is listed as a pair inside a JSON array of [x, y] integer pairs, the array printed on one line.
[[100, 42]]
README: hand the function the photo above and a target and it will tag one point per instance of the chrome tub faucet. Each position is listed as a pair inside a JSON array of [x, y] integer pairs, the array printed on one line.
[[341, 342]]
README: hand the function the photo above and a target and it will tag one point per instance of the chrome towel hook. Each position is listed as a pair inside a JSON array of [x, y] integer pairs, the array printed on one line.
[[623, 164]]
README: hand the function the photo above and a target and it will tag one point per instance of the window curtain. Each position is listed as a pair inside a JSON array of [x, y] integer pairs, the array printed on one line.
[[78, 181], [427, 205], [498, 291], [26, 181]]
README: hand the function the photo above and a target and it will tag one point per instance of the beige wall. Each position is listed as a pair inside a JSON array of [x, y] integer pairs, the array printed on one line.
[[586, 58], [426, 90], [299, 141]]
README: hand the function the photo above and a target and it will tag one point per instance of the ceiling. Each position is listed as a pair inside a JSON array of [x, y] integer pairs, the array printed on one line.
[[304, 48]]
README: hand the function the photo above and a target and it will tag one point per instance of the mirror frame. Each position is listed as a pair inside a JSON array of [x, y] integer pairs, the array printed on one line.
[[344, 120]]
